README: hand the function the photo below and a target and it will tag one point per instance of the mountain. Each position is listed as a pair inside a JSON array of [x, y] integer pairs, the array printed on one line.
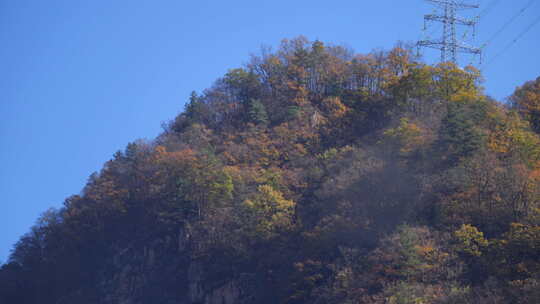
[[310, 175]]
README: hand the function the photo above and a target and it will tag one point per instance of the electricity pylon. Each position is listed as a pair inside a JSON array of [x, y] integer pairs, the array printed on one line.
[[449, 45]]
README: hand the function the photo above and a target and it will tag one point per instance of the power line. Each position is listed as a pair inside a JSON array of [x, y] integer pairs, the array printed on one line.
[[508, 46], [510, 21], [482, 14], [449, 45], [488, 8]]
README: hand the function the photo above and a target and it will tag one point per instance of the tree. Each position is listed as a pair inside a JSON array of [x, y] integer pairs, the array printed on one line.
[[269, 212], [526, 100], [470, 241], [459, 135], [257, 112]]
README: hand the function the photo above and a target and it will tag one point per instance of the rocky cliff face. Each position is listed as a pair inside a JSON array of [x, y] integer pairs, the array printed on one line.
[[146, 270], [228, 293]]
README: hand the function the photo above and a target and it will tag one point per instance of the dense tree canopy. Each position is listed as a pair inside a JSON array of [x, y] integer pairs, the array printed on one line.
[[526, 100], [310, 175]]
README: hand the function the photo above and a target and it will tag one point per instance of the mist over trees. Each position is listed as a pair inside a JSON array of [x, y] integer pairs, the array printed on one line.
[[310, 175]]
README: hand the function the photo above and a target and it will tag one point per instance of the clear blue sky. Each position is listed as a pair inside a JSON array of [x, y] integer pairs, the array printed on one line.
[[81, 79]]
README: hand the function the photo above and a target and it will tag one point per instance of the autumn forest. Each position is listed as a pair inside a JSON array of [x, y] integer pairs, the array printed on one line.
[[312, 174]]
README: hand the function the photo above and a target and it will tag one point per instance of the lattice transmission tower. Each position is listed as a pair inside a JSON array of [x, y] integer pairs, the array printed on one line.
[[449, 44]]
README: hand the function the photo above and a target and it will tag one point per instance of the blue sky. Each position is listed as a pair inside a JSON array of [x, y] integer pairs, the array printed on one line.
[[81, 79]]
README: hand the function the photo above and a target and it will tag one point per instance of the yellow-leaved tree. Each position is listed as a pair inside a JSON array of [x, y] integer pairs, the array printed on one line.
[[269, 212]]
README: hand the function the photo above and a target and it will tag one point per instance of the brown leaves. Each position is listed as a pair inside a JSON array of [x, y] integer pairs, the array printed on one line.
[[526, 100]]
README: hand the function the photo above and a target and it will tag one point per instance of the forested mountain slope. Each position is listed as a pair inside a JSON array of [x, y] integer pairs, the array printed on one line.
[[310, 175]]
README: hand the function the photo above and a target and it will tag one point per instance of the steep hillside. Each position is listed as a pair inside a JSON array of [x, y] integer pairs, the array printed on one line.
[[310, 175]]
